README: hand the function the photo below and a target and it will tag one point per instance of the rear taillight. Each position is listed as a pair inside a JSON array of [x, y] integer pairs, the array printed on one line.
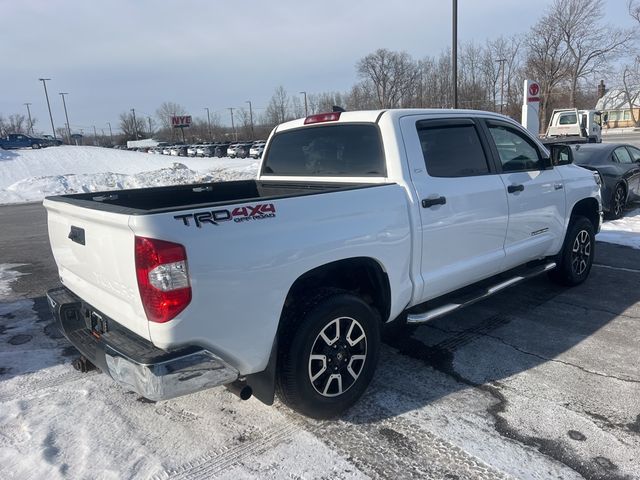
[[163, 280], [322, 117]]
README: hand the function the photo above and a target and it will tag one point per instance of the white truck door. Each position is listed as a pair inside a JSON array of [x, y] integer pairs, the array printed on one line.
[[463, 203], [536, 195]]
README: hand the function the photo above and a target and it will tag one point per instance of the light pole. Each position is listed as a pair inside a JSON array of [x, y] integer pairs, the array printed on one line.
[[44, 83], [233, 127], [66, 115], [209, 123], [454, 53], [306, 108], [502, 61], [95, 136], [251, 118], [110, 132], [150, 132], [30, 129], [135, 123]]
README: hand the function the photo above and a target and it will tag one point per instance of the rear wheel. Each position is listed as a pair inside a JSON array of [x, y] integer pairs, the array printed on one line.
[[576, 258], [328, 354]]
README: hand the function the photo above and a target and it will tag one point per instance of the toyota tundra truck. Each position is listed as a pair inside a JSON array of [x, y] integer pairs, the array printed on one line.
[[356, 221]]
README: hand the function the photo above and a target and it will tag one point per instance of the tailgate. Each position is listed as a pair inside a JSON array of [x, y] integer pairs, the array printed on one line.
[[94, 252]]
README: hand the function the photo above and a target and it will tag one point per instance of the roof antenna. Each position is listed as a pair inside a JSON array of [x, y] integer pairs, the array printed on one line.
[[336, 108]]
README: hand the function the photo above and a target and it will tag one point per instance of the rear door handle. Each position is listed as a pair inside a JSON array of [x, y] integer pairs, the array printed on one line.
[[515, 188], [430, 202]]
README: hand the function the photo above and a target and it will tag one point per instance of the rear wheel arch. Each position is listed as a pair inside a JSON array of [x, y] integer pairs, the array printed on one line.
[[361, 276]]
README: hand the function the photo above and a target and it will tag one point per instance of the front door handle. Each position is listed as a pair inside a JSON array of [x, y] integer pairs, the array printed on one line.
[[515, 188], [430, 202]]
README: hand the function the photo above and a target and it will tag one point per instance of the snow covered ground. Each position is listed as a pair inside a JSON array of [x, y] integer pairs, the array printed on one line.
[[31, 175]]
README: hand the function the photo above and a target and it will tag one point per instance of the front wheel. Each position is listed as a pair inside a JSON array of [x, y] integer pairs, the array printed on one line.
[[328, 354], [576, 258], [35, 146], [618, 200]]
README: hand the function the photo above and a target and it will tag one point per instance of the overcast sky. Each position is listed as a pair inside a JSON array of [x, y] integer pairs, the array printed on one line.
[[121, 54]]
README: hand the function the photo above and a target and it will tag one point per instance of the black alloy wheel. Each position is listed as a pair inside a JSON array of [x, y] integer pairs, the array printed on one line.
[[328, 352], [618, 202], [576, 257]]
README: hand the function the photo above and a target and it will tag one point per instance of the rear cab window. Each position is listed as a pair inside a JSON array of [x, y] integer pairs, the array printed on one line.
[[339, 150]]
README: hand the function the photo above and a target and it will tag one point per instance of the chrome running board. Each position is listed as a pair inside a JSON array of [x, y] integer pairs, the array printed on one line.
[[455, 303]]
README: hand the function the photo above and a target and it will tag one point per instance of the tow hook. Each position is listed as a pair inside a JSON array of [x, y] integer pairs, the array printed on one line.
[[83, 365]]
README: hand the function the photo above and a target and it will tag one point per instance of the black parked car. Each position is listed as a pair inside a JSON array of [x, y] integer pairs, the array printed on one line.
[[243, 150], [619, 167], [221, 149]]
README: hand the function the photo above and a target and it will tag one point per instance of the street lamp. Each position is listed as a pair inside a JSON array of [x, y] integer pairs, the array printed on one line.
[[306, 109], [251, 118], [502, 61], [209, 123], [30, 122], [44, 83], [66, 115], [233, 127], [454, 53], [135, 123]]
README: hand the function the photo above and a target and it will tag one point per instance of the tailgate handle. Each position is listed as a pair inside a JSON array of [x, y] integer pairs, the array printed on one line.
[[77, 235]]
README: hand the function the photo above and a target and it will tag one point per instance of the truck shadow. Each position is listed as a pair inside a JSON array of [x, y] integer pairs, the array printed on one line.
[[517, 331], [29, 339]]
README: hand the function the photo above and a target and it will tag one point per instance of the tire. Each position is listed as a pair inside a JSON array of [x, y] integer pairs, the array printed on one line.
[[618, 201], [331, 330], [35, 146], [576, 257]]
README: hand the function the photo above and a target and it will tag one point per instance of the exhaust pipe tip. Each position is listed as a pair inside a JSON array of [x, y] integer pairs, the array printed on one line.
[[240, 389]]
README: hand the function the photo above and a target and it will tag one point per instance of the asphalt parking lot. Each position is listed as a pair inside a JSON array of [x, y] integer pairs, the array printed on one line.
[[537, 382]]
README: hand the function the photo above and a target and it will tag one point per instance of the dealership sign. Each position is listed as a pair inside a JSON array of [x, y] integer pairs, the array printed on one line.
[[181, 121]]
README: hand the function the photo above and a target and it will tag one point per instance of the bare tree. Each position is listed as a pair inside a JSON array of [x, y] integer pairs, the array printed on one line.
[[167, 110], [590, 45], [631, 88], [278, 109], [547, 60], [393, 76], [16, 123], [634, 9], [128, 126]]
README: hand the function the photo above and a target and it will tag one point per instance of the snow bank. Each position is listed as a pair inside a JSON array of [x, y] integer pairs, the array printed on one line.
[[31, 175], [625, 231], [8, 276]]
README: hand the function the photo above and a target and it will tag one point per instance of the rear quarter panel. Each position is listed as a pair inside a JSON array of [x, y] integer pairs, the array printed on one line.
[[241, 271]]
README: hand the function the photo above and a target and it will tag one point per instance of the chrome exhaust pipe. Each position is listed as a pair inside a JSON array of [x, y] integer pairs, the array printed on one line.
[[240, 389]]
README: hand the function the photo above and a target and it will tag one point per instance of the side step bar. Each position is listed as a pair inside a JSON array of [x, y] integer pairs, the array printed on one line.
[[469, 298]]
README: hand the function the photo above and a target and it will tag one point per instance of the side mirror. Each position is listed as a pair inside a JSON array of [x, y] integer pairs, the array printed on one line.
[[561, 154]]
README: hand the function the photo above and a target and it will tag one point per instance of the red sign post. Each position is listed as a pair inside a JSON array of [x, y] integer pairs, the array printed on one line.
[[181, 121], [534, 92]]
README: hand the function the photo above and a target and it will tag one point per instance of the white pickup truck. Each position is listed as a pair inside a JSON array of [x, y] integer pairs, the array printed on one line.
[[283, 283], [570, 125]]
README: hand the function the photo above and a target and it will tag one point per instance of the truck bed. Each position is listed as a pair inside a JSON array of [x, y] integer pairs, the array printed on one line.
[[143, 201]]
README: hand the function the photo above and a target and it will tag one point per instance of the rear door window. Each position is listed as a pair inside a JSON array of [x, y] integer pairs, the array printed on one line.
[[622, 155], [349, 150], [452, 150]]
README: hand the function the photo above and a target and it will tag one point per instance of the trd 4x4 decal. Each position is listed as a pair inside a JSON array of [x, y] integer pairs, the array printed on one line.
[[238, 214]]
